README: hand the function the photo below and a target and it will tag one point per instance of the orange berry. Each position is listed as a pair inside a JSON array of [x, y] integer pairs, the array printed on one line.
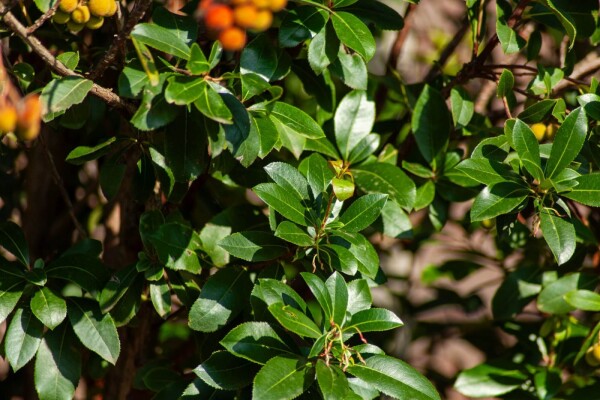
[[29, 117], [233, 39], [277, 5], [245, 15], [8, 119], [218, 17], [204, 4], [264, 19], [261, 3]]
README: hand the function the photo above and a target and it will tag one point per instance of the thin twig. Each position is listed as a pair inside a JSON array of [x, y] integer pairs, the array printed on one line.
[[448, 51], [401, 37], [43, 18], [61, 187], [103, 93], [137, 13]]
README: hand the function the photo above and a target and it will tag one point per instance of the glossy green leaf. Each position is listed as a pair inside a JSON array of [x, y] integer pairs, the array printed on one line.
[[552, 297], [283, 202], [176, 245], [256, 342], [509, 39], [332, 381], [583, 300], [296, 121], [359, 296], [82, 154], [462, 107], [338, 294], [587, 190], [96, 331], [225, 371], [351, 69], [57, 365], [160, 294], [527, 147], [210, 103], [568, 142], [353, 33], [13, 241], [254, 246], [339, 258], [161, 39], [323, 49], [559, 233], [537, 111], [353, 121], [317, 172], [361, 249], [505, 83], [292, 233], [289, 178], [282, 378], [223, 297], [301, 23], [394, 378], [501, 198], [294, 320], [343, 189], [486, 171], [60, 94], [184, 90], [373, 319], [84, 270], [319, 290], [363, 212], [431, 125], [116, 287], [489, 380], [23, 338], [48, 307]]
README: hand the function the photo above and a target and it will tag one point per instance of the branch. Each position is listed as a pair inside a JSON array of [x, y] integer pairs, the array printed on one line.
[[103, 93], [401, 38], [137, 13], [448, 50], [43, 18]]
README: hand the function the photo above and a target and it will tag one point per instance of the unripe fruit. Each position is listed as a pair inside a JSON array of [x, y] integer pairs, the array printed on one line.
[[245, 15], [233, 39], [29, 118], [539, 130], [81, 15], [218, 17], [95, 22], [277, 5], [551, 130], [74, 27], [488, 223], [264, 19], [100, 8], [8, 119], [112, 10], [61, 17], [592, 355], [68, 5]]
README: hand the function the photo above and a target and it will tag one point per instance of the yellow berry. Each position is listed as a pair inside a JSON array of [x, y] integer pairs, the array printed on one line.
[[94, 22], [68, 5], [277, 5], [592, 356], [261, 3], [99, 8], [488, 223], [74, 27], [245, 15], [264, 19], [539, 130], [61, 17], [113, 9], [551, 130], [81, 15], [8, 119]]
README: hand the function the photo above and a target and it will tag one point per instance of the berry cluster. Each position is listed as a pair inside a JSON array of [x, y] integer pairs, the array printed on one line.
[[229, 22], [78, 15]]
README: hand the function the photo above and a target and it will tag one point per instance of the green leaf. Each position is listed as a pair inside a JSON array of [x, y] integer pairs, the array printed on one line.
[[289, 178], [84, 270], [254, 246], [568, 142], [377, 13], [271, 291], [182, 26], [154, 111], [96, 331], [319, 290], [23, 338], [160, 294], [161, 39], [11, 291], [332, 381], [338, 258], [388, 179], [430, 125], [210, 103], [509, 39], [587, 190], [323, 49], [300, 24], [585, 300], [184, 90], [185, 149], [226, 372], [176, 245], [353, 33], [223, 297], [361, 249], [13, 241], [363, 212], [255, 341], [57, 365], [462, 107], [559, 234], [116, 287], [394, 378], [353, 121], [61, 94], [292, 233], [373, 319], [282, 378], [197, 64], [538, 111], [283, 202], [527, 147], [359, 296], [296, 121], [82, 154], [343, 188], [294, 320], [338, 294], [265, 132], [317, 172], [498, 199], [552, 297], [486, 171], [260, 57], [351, 69], [505, 84], [565, 20], [48, 307], [489, 380]]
